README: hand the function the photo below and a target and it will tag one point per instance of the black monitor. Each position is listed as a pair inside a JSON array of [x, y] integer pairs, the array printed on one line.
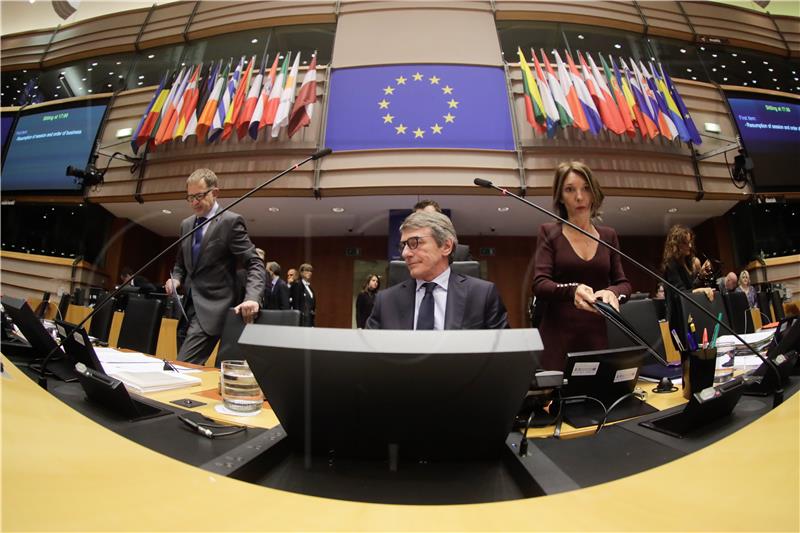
[[38, 337], [377, 393], [77, 345]]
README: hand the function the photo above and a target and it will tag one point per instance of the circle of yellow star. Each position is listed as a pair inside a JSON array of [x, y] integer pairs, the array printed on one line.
[[436, 128], [452, 103], [383, 104], [418, 133], [388, 90], [400, 129], [447, 90], [434, 80], [417, 76], [448, 117], [400, 81], [387, 118]]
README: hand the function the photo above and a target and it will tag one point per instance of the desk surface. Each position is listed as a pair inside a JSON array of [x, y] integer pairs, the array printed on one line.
[[61, 471]]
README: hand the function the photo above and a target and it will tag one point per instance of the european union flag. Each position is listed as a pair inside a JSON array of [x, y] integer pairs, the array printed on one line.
[[419, 106]]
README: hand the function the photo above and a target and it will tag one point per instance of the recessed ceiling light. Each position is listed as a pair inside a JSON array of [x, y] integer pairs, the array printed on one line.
[[89, 91], [83, 79], [770, 69], [151, 56], [94, 64], [733, 54], [140, 83], [744, 62], [724, 79], [254, 41], [166, 211], [617, 46], [503, 209], [713, 55], [625, 208], [688, 70], [141, 77], [110, 73], [713, 70], [273, 209], [703, 48], [722, 66], [694, 78], [765, 62], [672, 210], [337, 209], [118, 63], [580, 36], [749, 71], [683, 50]]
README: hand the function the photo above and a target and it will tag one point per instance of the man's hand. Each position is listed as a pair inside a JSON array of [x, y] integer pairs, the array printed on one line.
[[248, 310], [608, 297], [171, 286]]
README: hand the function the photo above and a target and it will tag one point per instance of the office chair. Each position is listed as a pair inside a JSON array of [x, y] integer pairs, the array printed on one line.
[[777, 306], [764, 305], [739, 312], [100, 324], [141, 324], [398, 271], [643, 316], [232, 330], [701, 320]]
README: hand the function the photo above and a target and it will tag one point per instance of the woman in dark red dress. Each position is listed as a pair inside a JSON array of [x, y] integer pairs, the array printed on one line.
[[572, 270]]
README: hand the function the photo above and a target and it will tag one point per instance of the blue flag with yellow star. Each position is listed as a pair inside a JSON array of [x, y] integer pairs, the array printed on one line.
[[419, 106]]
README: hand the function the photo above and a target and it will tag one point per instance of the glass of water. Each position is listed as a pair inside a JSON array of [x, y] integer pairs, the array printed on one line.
[[240, 390]]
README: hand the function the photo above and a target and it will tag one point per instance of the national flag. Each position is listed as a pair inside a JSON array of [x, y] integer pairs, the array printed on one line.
[[203, 93], [609, 111], [694, 135], [257, 120], [630, 101], [303, 108], [559, 94], [287, 99], [419, 106], [164, 130], [550, 109], [225, 101], [235, 109], [274, 100], [246, 115], [619, 99], [140, 136], [209, 111], [593, 119], [641, 98], [672, 108], [534, 108], [187, 105], [665, 124]]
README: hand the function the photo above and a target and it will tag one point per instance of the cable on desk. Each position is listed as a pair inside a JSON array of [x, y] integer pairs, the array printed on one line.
[[204, 430], [560, 418]]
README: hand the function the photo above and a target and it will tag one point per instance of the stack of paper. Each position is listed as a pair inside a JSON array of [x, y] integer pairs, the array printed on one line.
[[144, 373], [759, 340]]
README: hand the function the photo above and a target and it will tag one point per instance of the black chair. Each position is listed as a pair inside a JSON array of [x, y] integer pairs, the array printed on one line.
[[739, 312], [764, 305], [100, 326], [398, 271], [643, 316], [777, 306], [63, 305], [141, 324], [701, 320], [232, 330]]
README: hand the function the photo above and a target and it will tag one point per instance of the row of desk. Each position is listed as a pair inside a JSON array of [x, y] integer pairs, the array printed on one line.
[[64, 471]]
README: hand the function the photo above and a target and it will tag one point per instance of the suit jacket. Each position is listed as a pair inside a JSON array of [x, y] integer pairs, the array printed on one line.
[[304, 302], [472, 303], [212, 281], [277, 297]]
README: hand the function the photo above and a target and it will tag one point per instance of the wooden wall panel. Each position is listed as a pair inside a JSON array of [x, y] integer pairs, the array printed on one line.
[[24, 50], [29, 275], [166, 24], [790, 29], [739, 27], [215, 18], [666, 19], [620, 15]]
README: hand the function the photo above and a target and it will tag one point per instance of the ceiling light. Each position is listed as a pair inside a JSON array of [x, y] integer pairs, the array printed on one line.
[[617, 46], [89, 69], [141, 77], [89, 91], [683, 50], [151, 56], [744, 62], [672, 210], [94, 64], [337, 209], [580, 36], [749, 71], [713, 55], [254, 41], [118, 63], [713, 70], [722, 66], [703, 48], [777, 88], [733, 54], [724, 79], [770, 69], [166, 211], [503, 209], [110, 73], [83, 79], [273, 209], [625, 208], [765, 62], [140, 83], [694, 78], [774, 79]]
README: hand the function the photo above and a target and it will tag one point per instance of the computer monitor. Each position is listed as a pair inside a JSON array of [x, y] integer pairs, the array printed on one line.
[[377, 393]]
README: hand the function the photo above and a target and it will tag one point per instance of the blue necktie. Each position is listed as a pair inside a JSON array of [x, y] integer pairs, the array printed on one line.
[[197, 238], [425, 315]]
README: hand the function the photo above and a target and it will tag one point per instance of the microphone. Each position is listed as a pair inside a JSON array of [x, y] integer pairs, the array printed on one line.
[[778, 395], [316, 155]]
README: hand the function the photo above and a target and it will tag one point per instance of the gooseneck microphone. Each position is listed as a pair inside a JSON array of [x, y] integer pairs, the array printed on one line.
[[777, 398], [316, 155]]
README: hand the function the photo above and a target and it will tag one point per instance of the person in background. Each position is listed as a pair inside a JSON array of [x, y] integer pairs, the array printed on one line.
[[277, 293], [659, 292], [745, 287], [679, 265], [303, 297], [435, 297], [461, 252], [573, 271], [139, 283], [366, 299], [291, 278], [729, 283], [205, 268]]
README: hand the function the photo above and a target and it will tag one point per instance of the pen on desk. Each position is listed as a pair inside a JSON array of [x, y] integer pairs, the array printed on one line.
[[716, 331], [690, 342]]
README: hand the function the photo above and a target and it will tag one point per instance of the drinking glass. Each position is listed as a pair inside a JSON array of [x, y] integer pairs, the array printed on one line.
[[240, 390]]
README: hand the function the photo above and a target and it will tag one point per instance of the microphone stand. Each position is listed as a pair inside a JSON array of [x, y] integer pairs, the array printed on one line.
[[316, 155], [778, 395]]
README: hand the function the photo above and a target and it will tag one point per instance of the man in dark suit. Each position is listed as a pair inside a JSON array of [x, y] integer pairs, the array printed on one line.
[[205, 266], [461, 251], [277, 294], [435, 297], [303, 297]]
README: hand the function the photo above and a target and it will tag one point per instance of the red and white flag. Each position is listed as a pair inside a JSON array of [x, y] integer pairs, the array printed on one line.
[[303, 108]]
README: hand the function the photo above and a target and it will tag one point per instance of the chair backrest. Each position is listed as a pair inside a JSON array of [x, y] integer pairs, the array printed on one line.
[[643, 316], [738, 308], [232, 330], [141, 324], [100, 325], [398, 271], [764, 304], [701, 320], [777, 306]]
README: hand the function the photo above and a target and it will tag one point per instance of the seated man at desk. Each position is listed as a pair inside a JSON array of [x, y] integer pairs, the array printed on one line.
[[435, 297]]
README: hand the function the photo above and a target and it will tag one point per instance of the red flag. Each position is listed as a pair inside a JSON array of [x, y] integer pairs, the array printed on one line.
[[274, 99], [243, 122], [303, 108], [238, 101]]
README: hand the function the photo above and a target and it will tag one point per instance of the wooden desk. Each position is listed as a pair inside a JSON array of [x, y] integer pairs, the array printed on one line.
[[62, 471]]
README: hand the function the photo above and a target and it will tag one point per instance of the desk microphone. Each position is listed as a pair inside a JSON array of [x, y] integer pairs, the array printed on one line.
[[316, 155], [778, 395]]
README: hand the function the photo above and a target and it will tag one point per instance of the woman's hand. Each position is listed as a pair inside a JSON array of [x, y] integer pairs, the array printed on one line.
[[608, 297], [707, 291], [584, 298]]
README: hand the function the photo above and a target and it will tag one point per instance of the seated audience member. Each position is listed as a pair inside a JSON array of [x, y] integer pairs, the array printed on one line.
[[461, 252], [745, 287], [573, 271], [366, 299], [435, 297], [140, 283], [277, 292], [728, 283], [659, 292]]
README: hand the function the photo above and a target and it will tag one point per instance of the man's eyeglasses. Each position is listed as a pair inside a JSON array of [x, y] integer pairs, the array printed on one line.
[[197, 196], [411, 242]]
